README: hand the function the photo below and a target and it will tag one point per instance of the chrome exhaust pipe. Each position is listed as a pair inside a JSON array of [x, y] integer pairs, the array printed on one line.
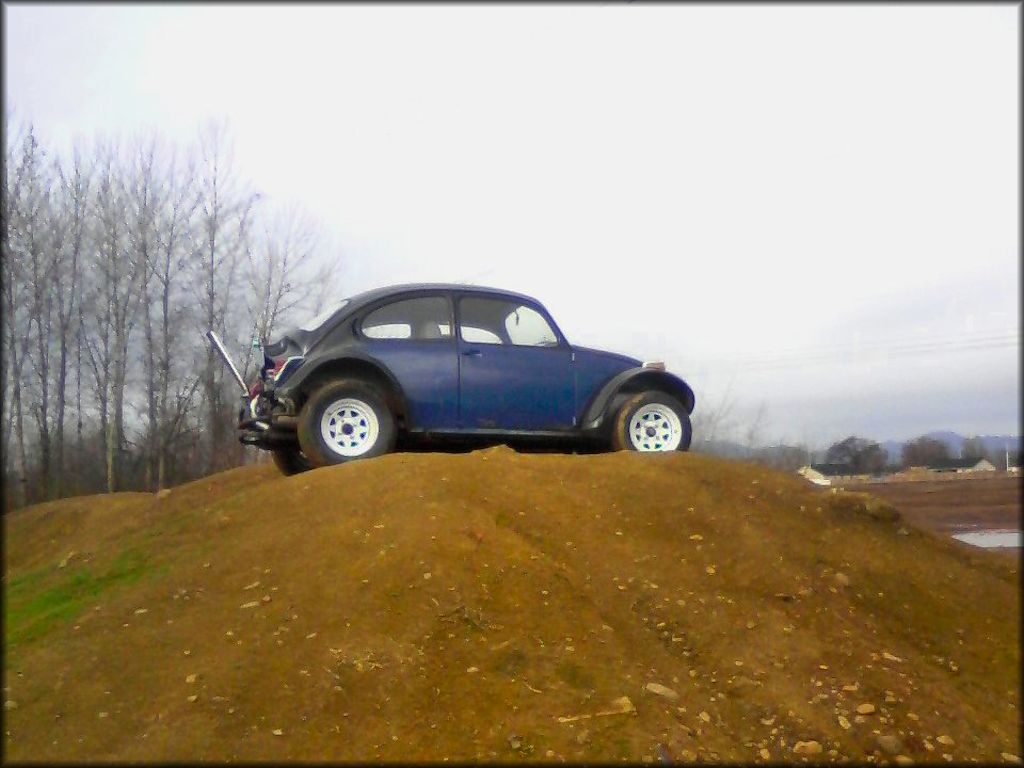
[[215, 340]]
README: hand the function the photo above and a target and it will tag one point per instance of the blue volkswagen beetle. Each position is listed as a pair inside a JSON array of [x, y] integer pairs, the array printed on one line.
[[434, 364]]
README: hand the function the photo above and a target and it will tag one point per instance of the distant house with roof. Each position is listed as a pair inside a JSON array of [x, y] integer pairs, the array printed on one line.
[[962, 465]]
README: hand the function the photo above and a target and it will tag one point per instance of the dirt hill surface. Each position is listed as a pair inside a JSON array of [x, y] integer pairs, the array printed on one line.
[[504, 606]]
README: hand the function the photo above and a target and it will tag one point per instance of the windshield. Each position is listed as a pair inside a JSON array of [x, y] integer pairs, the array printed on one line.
[[322, 318]]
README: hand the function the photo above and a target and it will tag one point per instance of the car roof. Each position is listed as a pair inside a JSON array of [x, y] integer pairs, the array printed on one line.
[[394, 290]]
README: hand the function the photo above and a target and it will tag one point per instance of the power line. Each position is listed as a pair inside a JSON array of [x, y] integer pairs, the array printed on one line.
[[948, 342], [870, 351]]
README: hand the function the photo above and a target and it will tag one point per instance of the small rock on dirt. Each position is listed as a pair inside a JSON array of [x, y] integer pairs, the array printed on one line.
[[807, 748], [1010, 757], [844, 723], [903, 760], [889, 743], [841, 579], [661, 690], [865, 709], [945, 740], [10, 704], [191, 678], [277, 732]]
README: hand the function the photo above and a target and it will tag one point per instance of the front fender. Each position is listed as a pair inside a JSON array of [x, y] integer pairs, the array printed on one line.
[[636, 380]]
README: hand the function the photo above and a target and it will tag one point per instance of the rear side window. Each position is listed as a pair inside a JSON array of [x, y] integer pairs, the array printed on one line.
[[422, 319]]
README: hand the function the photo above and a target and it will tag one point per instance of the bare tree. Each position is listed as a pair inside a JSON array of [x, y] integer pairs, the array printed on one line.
[[712, 419], [114, 262], [753, 430], [863, 456], [146, 193], [924, 451], [174, 243], [224, 209], [16, 324], [43, 238], [114, 304], [74, 213], [974, 448], [283, 272]]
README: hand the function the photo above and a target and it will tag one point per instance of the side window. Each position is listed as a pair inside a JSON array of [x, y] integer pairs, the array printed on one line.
[[479, 335], [499, 321], [422, 319], [528, 328]]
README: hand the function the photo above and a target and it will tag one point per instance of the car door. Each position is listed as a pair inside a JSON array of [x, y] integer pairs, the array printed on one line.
[[515, 371], [412, 337]]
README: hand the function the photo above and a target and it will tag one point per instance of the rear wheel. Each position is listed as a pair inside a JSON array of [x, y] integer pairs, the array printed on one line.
[[345, 420], [651, 422], [290, 461]]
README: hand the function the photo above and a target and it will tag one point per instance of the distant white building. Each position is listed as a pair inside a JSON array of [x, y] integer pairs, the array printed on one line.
[[962, 465]]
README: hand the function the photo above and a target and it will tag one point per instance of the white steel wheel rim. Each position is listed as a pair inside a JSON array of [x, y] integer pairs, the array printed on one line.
[[655, 427], [349, 427]]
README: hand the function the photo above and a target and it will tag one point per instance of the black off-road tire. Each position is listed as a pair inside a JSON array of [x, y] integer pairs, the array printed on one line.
[[378, 439], [290, 461], [620, 437]]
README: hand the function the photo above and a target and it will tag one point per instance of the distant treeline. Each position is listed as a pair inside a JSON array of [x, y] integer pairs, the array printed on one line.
[[116, 260]]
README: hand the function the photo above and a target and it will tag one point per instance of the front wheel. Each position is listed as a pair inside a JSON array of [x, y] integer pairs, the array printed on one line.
[[651, 421], [345, 420]]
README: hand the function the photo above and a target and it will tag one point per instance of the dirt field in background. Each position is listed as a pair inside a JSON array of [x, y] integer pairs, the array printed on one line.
[[954, 506], [504, 607]]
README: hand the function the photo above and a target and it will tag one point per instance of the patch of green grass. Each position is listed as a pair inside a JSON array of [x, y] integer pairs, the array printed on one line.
[[36, 602]]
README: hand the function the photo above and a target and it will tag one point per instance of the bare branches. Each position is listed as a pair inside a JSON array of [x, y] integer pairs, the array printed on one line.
[[115, 260]]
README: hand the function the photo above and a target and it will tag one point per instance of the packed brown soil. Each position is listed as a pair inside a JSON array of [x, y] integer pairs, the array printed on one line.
[[954, 506], [504, 606]]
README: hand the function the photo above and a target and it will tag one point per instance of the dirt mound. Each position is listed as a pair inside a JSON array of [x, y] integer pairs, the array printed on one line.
[[497, 605]]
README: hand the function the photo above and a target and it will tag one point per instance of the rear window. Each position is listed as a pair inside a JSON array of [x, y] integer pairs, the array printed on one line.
[[323, 317]]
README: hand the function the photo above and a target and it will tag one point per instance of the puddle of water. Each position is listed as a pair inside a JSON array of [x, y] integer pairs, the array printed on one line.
[[991, 538]]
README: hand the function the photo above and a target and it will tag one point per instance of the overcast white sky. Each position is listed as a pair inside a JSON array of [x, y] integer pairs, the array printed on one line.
[[814, 208]]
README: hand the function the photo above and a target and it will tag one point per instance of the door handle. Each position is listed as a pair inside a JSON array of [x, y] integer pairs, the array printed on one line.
[[472, 353]]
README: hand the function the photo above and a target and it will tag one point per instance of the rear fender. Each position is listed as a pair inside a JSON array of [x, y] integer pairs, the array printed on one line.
[[630, 382], [314, 373]]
